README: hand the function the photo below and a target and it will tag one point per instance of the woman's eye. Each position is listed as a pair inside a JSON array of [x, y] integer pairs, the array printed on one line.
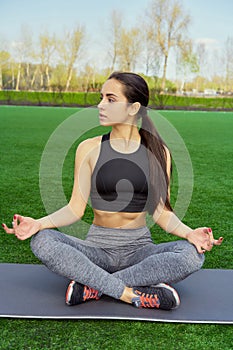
[[109, 99]]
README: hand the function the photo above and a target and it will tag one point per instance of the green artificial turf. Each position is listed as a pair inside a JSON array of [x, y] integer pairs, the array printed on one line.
[[208, 137]]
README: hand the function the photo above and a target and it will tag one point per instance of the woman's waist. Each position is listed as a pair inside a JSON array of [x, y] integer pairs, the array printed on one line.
[[107, 237], [122, 220]]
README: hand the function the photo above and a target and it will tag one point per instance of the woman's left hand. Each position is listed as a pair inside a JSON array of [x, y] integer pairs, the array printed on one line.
[[203, 239], [23, 227]]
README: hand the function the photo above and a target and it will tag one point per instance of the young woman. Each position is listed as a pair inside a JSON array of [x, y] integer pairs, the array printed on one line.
[[126, 173]]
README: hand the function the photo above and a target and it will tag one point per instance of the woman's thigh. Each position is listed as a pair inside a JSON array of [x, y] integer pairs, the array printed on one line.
[[48, 243], [181, 248]]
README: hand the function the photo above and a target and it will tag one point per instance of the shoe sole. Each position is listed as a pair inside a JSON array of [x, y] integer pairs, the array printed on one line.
[[69, 292], [174, 293]]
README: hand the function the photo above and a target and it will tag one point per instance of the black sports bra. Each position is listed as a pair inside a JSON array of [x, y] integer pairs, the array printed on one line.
[[120, 181]]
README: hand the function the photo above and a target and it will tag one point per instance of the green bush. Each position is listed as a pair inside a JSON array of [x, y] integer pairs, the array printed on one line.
[[48, 98], [190, 102], [158, 101]]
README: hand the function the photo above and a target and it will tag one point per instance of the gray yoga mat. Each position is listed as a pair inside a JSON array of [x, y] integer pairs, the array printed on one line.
[[32, 291]]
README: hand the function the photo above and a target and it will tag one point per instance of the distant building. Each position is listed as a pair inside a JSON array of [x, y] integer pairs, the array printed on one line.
[[210, 92]]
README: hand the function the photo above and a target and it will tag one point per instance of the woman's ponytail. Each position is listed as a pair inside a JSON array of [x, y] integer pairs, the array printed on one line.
[[157, 154]]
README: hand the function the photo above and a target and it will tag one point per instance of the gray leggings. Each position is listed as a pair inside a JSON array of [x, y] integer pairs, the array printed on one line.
[[111, 259]]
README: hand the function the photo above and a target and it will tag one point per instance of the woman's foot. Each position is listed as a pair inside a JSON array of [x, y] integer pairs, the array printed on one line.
[[77, 293], [161, 296]]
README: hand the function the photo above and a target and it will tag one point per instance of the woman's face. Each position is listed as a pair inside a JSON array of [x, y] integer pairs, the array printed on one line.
[[114, 107]]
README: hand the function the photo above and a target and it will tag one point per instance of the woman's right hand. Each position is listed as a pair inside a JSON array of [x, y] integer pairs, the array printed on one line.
[[23, 227]]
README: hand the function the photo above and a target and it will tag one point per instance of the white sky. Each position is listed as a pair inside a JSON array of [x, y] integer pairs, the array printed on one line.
[[211, 19]]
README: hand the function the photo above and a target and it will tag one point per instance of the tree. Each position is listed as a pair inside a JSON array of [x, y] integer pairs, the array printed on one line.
[[58, 77], [186, 61], [202, 57], [129, 48], [19, 58], [87, 78], [168, 27], [28, 54], [228, 53], [70, 48], [4, 59], [115, 37], [47, 46], [23, 54], [151, 52]]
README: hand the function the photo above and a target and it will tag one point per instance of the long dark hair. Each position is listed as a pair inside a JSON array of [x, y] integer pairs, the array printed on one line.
[[136, 89]]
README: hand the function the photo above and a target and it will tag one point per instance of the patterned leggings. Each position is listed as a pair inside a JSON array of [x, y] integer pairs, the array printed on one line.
[[111, 259]]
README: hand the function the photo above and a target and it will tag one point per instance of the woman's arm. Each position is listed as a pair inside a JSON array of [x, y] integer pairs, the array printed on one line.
[[25, 227], [75, 209], [170, 223], [201, 237]]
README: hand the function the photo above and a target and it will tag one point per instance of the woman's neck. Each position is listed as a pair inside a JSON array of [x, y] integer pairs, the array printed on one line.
[[125, 138], [126, 132]]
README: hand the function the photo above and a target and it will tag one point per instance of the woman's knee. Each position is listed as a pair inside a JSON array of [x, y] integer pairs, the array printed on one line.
[[194, 259], [41, 242]]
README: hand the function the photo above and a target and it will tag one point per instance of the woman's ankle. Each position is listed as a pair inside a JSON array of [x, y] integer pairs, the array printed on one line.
[[128, 295]]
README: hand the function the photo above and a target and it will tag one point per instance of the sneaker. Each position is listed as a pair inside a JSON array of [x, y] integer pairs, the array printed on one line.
[[77, 293], [160, 296]]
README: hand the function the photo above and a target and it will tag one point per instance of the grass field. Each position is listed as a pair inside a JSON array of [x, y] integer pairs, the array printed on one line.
[[209, 139]]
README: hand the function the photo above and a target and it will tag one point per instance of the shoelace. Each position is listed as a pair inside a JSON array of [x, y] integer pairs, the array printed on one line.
[[148, 300], [90, 293]]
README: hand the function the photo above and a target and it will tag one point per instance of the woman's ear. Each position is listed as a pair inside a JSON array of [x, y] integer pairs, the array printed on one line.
[[134, 108]]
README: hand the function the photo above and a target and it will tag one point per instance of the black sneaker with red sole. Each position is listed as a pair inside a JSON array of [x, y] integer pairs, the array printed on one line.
[[161, 296], [78, 293]]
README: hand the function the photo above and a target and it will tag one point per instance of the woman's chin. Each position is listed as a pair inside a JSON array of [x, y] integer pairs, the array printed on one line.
[[104, 122]]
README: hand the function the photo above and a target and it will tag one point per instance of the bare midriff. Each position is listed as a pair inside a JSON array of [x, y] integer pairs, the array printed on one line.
[[119, 219]]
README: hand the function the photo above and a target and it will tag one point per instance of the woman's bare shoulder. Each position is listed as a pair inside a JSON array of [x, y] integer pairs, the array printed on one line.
[[91, 142], [88, 145]]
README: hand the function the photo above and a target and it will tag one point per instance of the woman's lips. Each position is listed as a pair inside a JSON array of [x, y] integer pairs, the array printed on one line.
[[102, 117]]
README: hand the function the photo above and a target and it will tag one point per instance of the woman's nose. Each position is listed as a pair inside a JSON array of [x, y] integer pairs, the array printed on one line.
[[100, 105]]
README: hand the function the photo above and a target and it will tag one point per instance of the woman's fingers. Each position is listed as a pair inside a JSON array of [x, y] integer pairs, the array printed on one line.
[[201, 250], [218, 241], [206, 240], [15, 222], [214, 241], [7, 229], [16, 218]]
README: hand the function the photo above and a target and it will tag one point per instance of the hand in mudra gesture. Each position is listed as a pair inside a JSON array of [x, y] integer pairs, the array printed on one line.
[[23, 227], [203, 239]]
